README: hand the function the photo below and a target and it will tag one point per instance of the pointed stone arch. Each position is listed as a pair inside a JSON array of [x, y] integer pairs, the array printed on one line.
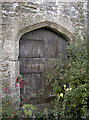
[[52, 25]]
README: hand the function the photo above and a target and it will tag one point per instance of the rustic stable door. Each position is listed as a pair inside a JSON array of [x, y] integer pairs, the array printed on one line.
[[36, 48]]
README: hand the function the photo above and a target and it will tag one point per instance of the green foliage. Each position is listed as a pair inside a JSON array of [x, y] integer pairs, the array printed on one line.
[[9, 108], [28, 109], [70, 80]]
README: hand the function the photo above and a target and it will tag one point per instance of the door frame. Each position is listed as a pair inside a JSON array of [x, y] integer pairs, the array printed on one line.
[[53, 26]]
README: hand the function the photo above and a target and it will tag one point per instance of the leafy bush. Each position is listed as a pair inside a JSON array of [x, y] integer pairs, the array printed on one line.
[[70, 81]]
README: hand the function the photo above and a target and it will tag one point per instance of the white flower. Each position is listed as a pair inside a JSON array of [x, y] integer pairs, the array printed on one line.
[[64, 86], [68, 89], [61, 94]]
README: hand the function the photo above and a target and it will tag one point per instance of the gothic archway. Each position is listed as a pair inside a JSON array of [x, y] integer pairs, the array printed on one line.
[[36, 48]]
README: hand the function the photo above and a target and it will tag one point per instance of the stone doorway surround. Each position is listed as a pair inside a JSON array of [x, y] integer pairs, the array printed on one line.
[[14, 62], [53, 26]]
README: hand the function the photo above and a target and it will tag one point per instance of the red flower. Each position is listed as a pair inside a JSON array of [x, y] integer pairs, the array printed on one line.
[[16, 80], [20, 82], [53, 90], [5, 89], [16, 85]]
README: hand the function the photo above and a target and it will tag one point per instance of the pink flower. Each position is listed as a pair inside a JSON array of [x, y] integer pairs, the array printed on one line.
[[53, 90], [5, 89]]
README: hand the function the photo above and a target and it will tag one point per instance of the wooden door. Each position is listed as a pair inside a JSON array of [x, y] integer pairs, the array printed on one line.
[[36, 48]]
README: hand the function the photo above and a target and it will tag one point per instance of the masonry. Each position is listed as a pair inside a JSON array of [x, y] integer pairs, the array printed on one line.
[[19, 18]]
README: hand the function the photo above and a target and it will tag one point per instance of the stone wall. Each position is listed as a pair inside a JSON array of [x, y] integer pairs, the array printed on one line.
[[21, 17], [88, 27]]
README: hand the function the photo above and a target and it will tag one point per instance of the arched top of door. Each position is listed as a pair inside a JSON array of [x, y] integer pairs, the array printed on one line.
[[51, 25]]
